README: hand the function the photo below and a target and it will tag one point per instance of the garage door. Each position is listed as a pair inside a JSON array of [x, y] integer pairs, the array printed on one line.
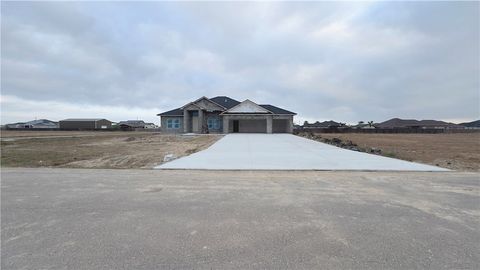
[[280, 126], [252, 126]]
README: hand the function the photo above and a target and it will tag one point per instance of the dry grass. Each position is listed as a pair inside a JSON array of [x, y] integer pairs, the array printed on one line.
[[457, 151], [96, 149]]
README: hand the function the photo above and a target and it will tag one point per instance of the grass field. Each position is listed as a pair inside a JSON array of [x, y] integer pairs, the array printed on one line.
[[95, 149], [457, 151]]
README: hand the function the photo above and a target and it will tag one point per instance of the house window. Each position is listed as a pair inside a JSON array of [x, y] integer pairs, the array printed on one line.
[[173, 123], [213, 123]]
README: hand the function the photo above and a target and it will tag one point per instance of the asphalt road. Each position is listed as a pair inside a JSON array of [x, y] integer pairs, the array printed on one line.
[[154, 219], [250, 151]]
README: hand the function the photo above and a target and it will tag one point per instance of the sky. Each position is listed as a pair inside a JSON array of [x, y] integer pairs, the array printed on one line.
[[343, 61]]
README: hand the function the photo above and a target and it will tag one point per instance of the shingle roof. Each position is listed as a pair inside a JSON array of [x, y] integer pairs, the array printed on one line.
[[276, 110], [225, 101], [324, 124], [404, 123], [83, 119], [174, 112], [228, 103], [471, 124], [132, 123]]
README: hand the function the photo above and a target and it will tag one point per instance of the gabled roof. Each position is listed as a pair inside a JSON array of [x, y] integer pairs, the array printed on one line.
[[174, 112], [324, 124], [247, 107], [132, 123], [228, 103], [83, 119], [471, 124], [225, 101], [41, 122], [205, 98], [276, 110], [405, 123]]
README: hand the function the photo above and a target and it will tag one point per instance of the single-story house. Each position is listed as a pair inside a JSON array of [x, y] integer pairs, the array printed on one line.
[[416, 124], [34, 124], [131, 124], [85, 124], [135, 124], [226, 115], [324, 124], [150, 126]]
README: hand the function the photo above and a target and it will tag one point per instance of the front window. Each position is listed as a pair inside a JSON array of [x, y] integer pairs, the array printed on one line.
[[213, 123], [173, 123]]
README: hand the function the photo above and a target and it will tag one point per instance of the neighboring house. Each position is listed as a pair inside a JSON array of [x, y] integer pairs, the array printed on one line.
[[416, 124], [150, 126], [324, 124], [34, 124], [132, 124], [85, 124], [225, 115], [363, 125], [471, 125]]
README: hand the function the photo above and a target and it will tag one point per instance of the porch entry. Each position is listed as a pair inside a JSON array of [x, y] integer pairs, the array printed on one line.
[[236, 126]]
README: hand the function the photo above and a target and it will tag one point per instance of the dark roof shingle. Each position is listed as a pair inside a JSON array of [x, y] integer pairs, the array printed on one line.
[[225, 101], [229, 103], [174, 112], [276, 110]]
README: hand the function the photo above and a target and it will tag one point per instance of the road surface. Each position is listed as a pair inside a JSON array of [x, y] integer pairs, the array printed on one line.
[[166, 219]]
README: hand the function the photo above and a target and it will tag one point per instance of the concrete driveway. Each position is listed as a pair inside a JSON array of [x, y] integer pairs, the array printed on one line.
[[286, 152], [174, 219]]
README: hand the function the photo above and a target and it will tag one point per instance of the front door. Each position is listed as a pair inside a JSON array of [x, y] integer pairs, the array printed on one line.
[[235, 126], [195, 125]]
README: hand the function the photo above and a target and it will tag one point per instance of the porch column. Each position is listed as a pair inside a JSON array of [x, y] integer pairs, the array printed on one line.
[[186, 119], [200, 122], [269, 123], [226, 120], [290, 124]]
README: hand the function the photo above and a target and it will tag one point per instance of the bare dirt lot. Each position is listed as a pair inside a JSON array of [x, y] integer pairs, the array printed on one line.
[[95, 149], [456, 151]]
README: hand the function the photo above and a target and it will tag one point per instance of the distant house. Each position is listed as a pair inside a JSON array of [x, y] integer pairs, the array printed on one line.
[[85, 124], [225, 115], [362, 125], [416, 124], [134, 125], [34, 124], [150, 125], [324, 124], [471, 125]]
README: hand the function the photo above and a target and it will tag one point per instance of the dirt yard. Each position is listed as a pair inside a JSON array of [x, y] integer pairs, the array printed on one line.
[[95, 149], [457, 151]]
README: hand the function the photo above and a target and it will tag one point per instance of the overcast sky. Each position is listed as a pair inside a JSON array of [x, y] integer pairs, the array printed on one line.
[[342, 61]]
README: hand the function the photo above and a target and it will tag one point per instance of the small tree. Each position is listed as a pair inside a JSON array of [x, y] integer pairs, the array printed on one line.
[[370, 123]]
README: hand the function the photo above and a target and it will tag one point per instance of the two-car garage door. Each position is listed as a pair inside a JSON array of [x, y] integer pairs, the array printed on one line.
[[259, 126], [250, 126]]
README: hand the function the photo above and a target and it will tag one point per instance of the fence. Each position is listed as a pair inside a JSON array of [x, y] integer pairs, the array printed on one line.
[[385, 130]]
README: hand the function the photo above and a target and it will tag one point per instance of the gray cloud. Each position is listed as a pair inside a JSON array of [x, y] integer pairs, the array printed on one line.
[[343, 61]]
